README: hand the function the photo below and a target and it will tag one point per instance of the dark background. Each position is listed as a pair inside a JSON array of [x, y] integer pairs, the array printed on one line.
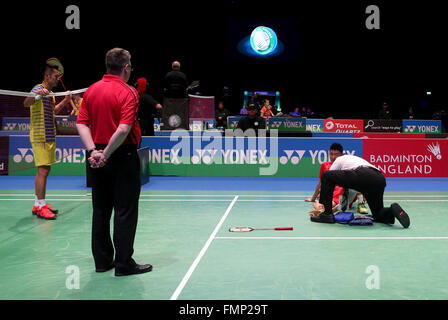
[[331, 61]]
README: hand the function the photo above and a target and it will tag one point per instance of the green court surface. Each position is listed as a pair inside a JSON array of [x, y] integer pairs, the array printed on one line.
[[184, 235]]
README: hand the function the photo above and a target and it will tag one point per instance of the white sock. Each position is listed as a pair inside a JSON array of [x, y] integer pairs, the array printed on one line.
[[40, 203], [35, 201]]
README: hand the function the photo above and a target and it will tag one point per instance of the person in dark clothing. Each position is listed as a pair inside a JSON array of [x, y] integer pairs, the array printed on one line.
[[175, 82], [108, 127], [252, 120], [148, 108], [221, 115], [254, 99], [352, 172], [385, 112]]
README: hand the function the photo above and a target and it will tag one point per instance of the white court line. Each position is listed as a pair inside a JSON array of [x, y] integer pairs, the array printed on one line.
[[217, 200], [217, 195], [333, 238], [140, 200], [196, 261]]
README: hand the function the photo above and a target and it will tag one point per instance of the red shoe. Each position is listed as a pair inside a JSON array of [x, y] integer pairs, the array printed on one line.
[[45, 213], [36, 208]]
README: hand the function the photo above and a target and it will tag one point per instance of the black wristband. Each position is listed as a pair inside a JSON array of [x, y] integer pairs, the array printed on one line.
[[89, 152]]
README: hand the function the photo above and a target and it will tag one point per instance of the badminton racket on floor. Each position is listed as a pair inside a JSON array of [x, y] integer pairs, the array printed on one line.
[[248, 229]]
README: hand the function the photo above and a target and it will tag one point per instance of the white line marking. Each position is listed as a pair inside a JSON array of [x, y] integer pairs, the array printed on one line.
[[333, 238], [218, 200], [220, 195], [202, 252]]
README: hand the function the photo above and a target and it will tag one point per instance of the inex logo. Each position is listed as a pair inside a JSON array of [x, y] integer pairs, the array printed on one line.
[[329, 125], [23, 155]]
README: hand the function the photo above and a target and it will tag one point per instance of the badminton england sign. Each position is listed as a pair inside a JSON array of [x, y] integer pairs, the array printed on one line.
[[409, 158], [209, 154]]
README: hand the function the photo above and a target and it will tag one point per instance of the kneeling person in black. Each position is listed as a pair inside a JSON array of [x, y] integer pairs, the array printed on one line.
[[356, 173]]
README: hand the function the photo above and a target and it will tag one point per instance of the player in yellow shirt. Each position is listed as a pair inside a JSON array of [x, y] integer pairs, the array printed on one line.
[[76, 104], [43, 136]]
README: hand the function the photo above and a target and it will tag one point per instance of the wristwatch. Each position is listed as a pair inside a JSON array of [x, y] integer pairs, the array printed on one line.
[[89, 152]]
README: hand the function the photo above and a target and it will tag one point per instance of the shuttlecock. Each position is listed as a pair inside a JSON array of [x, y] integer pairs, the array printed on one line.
[[435, 150]]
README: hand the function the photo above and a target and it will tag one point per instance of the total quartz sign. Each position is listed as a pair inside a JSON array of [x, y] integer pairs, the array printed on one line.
[[413, 158], [343, 125]]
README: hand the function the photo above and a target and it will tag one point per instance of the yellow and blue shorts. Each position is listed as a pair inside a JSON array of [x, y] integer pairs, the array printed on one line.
[[44, 153]]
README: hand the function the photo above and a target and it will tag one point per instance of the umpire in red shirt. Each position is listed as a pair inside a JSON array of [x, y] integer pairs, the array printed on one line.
[[108, 126]]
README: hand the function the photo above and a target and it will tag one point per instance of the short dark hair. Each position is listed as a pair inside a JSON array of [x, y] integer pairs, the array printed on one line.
[[116, 59], [337, 146], [45, 67]]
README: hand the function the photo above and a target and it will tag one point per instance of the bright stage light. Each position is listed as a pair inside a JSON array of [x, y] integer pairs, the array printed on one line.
[[263, 40]]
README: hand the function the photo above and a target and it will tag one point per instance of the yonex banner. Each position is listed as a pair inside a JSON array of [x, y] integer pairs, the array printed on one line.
[[66, 125], [343, 125], [70, 157], [315, 125], [422, 126], [232, 122], [210, 154], [287, 124], [408, 158], [4, 147], [382, 125], [16, 124]]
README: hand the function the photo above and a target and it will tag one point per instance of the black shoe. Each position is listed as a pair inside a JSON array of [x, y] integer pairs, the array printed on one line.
[[110, 267], [135, 269], [400, 215], [324, 218], [344, 200]]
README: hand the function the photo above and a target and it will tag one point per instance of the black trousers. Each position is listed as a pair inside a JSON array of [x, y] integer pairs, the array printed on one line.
[[116, 186], [367, 180]]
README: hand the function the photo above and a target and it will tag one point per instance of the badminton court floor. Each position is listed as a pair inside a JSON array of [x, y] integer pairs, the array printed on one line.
[[185, 235]]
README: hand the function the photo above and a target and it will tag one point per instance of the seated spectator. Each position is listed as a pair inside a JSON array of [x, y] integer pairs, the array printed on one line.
[[266, 110], [221, 115], [252, 120], [296, 112], [309, 112]]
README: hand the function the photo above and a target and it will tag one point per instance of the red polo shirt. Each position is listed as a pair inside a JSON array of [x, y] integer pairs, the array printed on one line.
[[107, 104], [338, 191]]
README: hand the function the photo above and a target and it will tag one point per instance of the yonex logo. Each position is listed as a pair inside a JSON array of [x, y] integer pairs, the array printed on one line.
[[295, 159], [25, 153], [10, 126], [276, 124], [410, 128], [206, 158], [233, 124], [75, 155], [22, 126]]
